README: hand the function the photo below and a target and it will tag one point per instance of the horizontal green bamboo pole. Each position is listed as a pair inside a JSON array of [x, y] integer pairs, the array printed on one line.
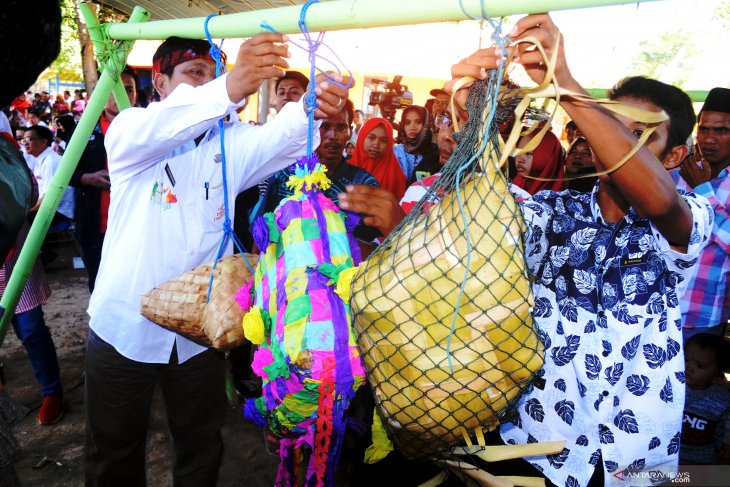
[[345, 14], [97, 38], [697, 96], [59, 183]]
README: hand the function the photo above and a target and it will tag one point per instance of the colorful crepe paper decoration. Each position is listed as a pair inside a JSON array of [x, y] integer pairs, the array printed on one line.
[[307, 356]]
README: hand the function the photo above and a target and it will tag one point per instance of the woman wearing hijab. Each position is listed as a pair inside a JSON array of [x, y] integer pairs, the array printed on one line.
[[547, 163], [65, 126], [417, 154], [374, 153]]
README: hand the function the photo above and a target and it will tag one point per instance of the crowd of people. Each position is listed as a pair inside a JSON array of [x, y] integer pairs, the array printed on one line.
[[647, 348]]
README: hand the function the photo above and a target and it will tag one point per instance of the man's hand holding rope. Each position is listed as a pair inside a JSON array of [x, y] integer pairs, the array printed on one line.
[[260, 58], [330, 97], [263, 57]]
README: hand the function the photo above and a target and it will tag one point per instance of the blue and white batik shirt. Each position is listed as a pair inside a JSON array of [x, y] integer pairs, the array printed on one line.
[[606, 304]]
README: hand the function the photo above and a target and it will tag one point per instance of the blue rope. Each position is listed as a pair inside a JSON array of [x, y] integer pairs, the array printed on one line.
[[310, 100], [500, 40], [483, 8], [334, 64], [228, 233]]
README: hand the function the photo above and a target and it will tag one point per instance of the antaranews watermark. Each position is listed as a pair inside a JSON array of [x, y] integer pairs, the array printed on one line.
[[687, 475]]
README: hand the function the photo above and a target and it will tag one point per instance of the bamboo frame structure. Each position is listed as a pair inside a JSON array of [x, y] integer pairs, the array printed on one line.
[[347, 14], [115, 57], [325, 16]]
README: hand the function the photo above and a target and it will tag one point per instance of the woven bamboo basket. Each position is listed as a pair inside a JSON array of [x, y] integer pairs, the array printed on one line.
[[435, 371], [180, 304]]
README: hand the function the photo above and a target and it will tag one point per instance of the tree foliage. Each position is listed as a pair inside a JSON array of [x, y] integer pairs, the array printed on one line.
[[665, 57], [722, 13], [68, 63]]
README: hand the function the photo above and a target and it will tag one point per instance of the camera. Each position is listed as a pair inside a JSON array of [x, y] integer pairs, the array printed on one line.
[[390, 96]]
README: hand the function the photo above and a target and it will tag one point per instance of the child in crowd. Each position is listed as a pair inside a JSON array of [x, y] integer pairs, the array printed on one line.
[[707, 405], [349, 150], [579, 161]]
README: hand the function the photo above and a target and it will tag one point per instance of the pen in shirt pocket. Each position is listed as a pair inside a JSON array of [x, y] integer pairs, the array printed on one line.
[[170, 176], [207, 187]]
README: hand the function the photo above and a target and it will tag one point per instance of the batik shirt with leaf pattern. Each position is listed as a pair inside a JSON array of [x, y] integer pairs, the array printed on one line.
[[607, 309]]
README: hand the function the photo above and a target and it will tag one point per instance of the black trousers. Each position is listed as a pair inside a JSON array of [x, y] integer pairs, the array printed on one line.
[[91, 255], [118, 399]]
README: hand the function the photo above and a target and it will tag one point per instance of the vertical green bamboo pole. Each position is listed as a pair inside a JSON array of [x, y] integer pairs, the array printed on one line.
[[60, 180], [97, 38]]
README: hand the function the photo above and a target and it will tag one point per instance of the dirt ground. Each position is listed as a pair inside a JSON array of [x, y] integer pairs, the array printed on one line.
[[245, 460]]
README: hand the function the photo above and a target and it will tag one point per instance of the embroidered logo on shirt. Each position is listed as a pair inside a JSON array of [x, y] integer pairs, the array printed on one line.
[[219, 214], [163, 196]]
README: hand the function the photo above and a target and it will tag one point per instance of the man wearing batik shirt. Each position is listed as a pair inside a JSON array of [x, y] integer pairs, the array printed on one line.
[[706, 304], [608, 267]]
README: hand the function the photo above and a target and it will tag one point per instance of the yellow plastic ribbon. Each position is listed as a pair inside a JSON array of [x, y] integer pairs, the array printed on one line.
[[381, 446], [549, 88]]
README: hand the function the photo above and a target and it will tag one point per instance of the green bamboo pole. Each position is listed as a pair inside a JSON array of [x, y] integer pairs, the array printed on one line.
[[97, 38], [345, 14], [60, 180]]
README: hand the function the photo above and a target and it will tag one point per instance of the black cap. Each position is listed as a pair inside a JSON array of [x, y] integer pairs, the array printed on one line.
[[296, 76], [718, 100]]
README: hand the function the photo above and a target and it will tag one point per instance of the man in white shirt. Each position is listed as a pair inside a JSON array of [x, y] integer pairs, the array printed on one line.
[[33, 118], [37, 142], [165, 217]]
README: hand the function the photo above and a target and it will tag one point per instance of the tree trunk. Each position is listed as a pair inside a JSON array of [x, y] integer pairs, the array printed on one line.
[[88, 58]]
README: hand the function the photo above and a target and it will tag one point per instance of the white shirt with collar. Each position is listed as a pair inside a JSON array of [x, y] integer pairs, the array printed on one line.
[[5, 124], [162, 219], [45, 167]]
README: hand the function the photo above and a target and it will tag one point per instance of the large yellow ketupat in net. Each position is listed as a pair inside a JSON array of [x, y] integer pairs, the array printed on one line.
[[442, 309]]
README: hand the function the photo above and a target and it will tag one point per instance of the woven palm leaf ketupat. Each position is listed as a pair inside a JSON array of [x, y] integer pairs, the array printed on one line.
[[443, 307], [180, 303]]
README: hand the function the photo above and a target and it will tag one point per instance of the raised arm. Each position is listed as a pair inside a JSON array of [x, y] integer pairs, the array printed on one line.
[[642, 181], [140, 136]]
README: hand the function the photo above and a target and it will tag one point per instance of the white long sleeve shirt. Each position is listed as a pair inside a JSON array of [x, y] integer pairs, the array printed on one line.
[[44, 168], [162, 219]]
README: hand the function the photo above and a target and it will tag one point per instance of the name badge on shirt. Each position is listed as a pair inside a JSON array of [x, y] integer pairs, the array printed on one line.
[[633, 261]]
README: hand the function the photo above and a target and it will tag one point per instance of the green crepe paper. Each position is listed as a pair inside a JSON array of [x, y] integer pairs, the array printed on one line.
[[266, 318], [332, 271], [277, 368], [298, 308], [273, 229]]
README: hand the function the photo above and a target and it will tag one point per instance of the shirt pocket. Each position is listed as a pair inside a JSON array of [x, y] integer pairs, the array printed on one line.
[[211, 202]]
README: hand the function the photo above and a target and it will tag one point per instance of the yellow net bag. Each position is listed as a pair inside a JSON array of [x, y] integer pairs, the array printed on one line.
[[442, 308]]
